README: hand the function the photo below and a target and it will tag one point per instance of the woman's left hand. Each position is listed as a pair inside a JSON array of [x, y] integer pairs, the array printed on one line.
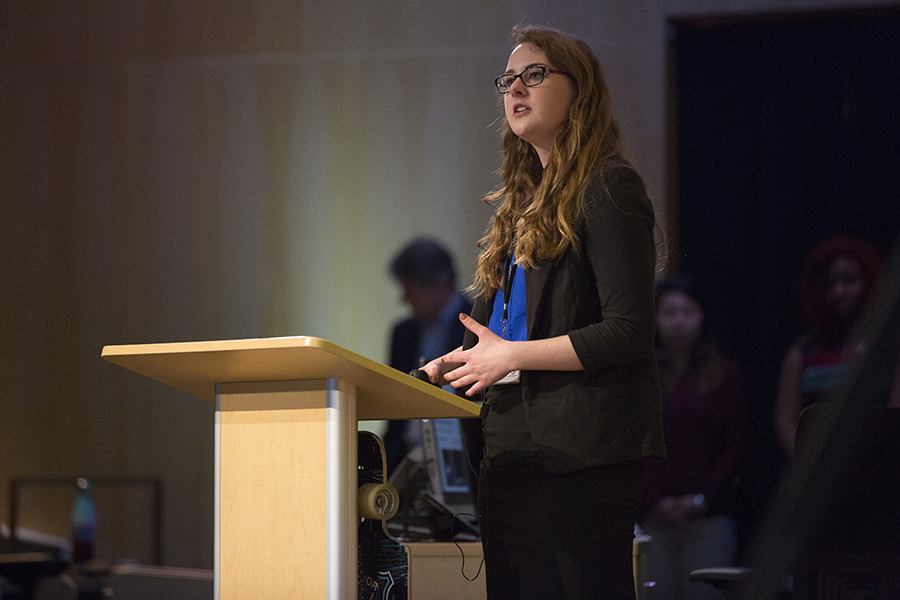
[[486, 363]]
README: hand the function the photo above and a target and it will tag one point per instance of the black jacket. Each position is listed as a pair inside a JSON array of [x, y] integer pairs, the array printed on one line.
[[601, 296]]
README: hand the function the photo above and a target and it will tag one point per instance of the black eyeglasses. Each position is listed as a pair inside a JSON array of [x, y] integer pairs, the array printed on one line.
[[531, 77]]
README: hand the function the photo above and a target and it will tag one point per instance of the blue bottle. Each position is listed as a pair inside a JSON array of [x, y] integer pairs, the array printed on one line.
[[84, 523]]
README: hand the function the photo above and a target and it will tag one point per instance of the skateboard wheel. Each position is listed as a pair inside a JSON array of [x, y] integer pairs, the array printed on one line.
[[377, 501]]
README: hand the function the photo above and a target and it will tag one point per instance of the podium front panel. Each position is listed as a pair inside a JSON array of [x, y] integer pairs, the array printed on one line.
[[286, 490]]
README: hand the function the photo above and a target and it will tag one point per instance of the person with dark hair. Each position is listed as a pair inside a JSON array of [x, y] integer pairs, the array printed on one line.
[[425, 272], [560, 341], [836, 282], [687, 509]]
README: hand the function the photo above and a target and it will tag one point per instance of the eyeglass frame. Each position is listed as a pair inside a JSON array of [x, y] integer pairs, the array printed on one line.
[[543, 69]]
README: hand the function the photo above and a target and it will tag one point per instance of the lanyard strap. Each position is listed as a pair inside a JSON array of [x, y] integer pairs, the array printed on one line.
[[507, 293]]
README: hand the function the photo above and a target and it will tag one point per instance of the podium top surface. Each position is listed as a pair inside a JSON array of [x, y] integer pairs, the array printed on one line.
[[196, 368]]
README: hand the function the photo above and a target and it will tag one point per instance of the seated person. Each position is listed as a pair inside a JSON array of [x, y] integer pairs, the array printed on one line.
[[686, 500], [836, 281], [425, 272]]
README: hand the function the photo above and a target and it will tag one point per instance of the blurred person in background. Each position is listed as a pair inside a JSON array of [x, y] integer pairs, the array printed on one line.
[[837, 280], [687, 499], [426, 274]]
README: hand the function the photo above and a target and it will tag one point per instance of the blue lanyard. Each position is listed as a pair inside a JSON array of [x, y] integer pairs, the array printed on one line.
[[507, 293]]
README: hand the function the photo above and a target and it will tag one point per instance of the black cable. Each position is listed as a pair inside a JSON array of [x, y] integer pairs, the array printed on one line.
[[462, 568]]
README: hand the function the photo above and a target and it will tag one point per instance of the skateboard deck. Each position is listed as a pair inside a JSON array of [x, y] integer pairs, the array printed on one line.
[[383, 562]]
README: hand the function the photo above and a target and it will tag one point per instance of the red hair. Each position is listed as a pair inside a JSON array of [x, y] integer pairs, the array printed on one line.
[[813, 283]]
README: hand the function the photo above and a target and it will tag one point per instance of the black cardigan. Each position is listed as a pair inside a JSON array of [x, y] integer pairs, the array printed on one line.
[[601, 296]]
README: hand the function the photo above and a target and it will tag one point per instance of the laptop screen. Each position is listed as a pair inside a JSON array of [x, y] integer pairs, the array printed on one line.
[[447, 464]]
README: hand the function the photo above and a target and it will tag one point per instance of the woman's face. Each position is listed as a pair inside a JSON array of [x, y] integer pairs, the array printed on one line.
[[844, 287], [679, 321], [536, 113]]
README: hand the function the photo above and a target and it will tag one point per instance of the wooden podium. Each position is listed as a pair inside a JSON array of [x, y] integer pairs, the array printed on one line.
[[285, 472]]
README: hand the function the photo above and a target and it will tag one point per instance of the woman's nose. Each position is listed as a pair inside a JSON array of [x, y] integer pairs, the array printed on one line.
[[517, 88]]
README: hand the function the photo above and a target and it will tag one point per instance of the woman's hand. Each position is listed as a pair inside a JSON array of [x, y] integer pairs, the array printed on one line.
[[486, 363], [493, 358], [678, 510], [437, 368]]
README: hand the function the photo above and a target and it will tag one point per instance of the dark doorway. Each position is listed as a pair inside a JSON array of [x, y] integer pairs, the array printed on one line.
[[785, 130]]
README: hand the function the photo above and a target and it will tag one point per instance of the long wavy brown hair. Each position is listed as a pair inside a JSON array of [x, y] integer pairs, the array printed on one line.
[[539, 209]]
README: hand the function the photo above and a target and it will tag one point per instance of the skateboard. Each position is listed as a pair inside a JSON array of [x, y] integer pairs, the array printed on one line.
[[383, 561]]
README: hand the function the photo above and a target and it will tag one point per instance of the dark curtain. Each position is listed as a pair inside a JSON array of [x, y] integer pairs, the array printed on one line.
[[788, 131]]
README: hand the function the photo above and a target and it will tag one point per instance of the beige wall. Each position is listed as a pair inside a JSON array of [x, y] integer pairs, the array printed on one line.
[[198, 170]]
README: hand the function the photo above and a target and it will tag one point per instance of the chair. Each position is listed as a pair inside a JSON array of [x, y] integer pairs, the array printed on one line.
[[727, 579], [849, 456], [840, 531]]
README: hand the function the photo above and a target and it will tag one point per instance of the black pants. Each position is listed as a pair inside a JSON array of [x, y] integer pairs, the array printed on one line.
[[547, 535]]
